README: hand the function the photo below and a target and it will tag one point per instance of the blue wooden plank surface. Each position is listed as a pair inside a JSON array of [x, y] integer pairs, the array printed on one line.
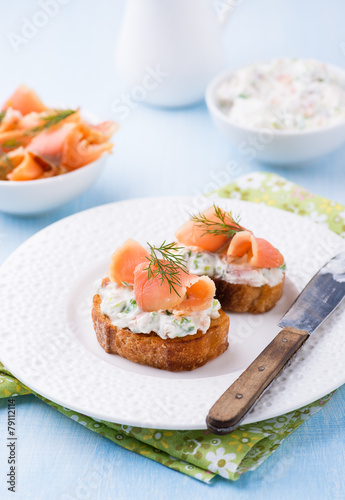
[[70, 60]]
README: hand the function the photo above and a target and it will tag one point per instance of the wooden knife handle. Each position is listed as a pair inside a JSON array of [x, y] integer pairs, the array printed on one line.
[[231, 408]]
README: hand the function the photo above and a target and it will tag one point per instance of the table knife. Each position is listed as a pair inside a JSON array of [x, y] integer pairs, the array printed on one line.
[[314, 304]]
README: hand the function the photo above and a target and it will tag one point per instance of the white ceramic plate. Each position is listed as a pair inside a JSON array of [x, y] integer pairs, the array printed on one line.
[[47, 338]]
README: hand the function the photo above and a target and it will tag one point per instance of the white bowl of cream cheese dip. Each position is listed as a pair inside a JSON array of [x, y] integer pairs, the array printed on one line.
[[286, 111]]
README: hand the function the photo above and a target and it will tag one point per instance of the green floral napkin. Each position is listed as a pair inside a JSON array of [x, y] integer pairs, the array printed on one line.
[[201, 454]]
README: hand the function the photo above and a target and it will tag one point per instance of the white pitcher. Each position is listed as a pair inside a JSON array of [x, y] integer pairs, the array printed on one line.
[[168, 50]]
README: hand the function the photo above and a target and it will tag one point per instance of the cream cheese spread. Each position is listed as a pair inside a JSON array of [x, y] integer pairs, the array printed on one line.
[[216, 266], [119, 304], [286, 94]]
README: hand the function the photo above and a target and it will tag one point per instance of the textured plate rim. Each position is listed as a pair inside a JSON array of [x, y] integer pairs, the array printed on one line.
[[271, 413]]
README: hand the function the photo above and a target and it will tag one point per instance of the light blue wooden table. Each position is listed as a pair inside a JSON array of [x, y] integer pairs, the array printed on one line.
[[70, 59]]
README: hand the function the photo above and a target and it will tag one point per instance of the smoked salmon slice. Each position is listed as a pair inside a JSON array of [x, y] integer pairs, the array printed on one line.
[[124, 261], [264, 254], [14, 128], [49, 145], [154, 294], [195, 293], [10, 120], [240, 244], [193, 234], [12, 139], [70, 145], [259, 251], [28, 168], [79, 148], [199, 295], [107, 129], [199, 233], [24, 100], [30, 121]]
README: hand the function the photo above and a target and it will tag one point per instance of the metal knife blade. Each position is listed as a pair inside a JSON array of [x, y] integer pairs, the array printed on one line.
[[319, 298]]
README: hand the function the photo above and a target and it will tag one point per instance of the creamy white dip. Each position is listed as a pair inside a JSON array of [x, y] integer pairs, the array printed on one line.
[[216, 266], [286, 94], [119, 304]]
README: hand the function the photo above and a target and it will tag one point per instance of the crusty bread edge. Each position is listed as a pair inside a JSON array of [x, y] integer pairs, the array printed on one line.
[[178, 354], [238, 297]]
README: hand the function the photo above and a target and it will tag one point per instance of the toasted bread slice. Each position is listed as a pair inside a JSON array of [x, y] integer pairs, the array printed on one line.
[[237, 297], [178, 354]]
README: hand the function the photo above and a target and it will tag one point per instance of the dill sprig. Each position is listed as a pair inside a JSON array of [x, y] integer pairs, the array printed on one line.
[[6, 166], [166, 264], [11, 144], [2, 115], [57, 116], [49, 120], [227, 225], [52, 119]]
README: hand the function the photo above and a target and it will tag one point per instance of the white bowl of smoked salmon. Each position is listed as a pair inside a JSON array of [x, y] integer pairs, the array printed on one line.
[[48, 156]]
